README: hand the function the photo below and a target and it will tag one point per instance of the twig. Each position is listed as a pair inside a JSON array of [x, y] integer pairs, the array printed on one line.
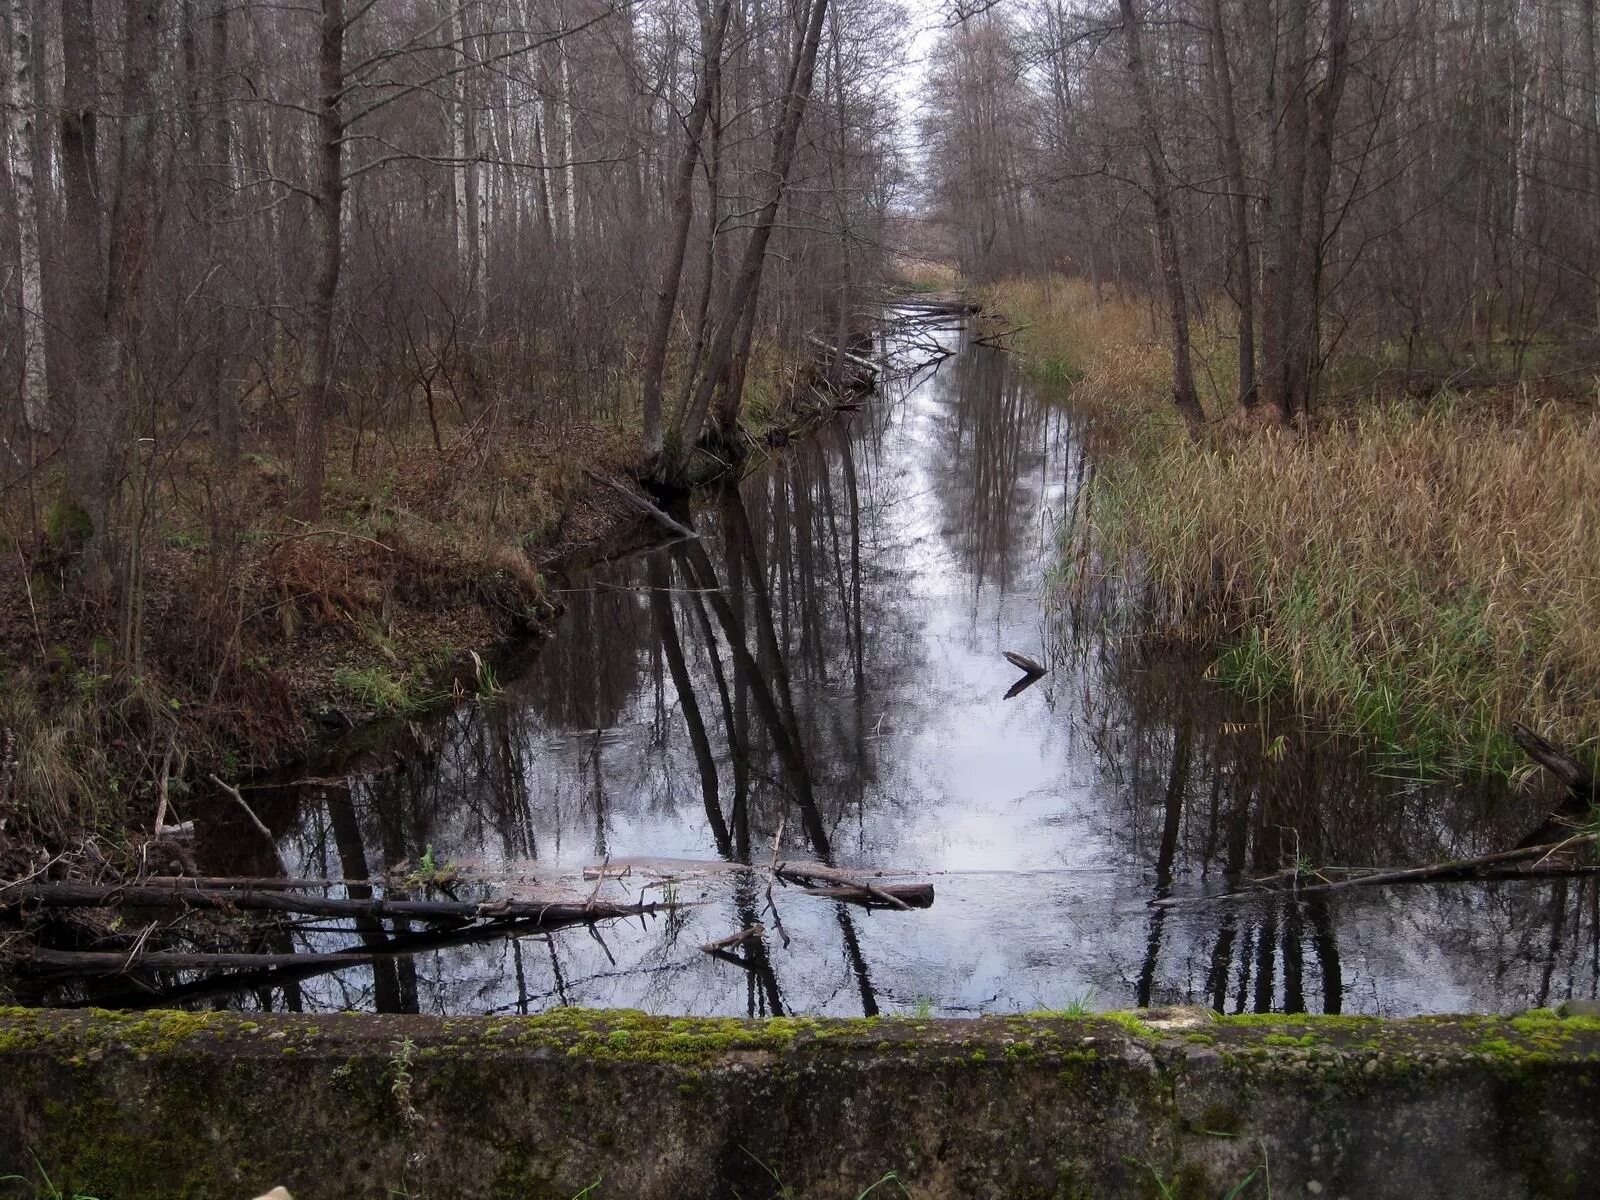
[[254, 820], [305, 533]]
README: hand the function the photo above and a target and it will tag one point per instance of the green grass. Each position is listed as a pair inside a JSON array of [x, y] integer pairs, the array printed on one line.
[[385, 691]]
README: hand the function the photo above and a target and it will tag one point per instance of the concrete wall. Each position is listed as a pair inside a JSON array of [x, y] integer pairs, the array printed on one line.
[[1165, 1103]]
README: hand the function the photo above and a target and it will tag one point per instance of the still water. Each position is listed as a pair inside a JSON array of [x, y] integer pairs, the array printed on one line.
[[828, 657]]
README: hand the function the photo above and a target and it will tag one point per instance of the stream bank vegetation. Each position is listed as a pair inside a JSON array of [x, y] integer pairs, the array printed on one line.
[[1413, 571], [325, 331], [1326, 273]]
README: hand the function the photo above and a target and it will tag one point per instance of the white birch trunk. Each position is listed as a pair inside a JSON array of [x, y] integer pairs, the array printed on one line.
[[566, 135], [19, 151]]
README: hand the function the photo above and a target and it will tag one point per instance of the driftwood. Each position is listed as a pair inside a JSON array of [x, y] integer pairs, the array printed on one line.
[[734, 939], [849, 356], [113, 962], [1023, 663], [893, 895], [85, 895], [1581, 797], [860, 885], [643, 505], [1462, 868]]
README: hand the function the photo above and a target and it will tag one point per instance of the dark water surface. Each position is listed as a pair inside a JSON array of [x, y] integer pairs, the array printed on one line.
[[828, 655]]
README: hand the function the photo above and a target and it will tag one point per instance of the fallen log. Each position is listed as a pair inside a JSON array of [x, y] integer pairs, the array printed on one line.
[[993, 340], [1582, 796], [1465, 868], [113, 962], [1023, 663], [940, 306], [849, 356], [307, 966], [857, 883], [800, 872], [734, 939], [643, 505], [268, 882], [1022, 684], [84, 895], [893, 895]]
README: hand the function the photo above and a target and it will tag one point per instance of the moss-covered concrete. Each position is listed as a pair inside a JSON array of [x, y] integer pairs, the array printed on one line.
[[1154, 1104]]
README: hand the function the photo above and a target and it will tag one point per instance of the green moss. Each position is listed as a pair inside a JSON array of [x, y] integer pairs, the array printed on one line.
[[1288, 1039], [1221, 1119]]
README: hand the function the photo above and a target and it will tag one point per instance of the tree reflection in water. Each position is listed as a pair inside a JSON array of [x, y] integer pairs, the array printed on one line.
[[827, 656]]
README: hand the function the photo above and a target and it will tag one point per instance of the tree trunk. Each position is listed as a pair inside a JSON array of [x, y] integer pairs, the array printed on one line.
[[682, 217], [1319, 178], [327, 247], [745, 293], [134, 220], [83, 296], [217, 140], [1243, 269], [20, 132], [1283, 328], [1184, 395]]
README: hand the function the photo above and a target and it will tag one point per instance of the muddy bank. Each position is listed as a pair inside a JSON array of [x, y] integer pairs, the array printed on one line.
[[1162, 1102]]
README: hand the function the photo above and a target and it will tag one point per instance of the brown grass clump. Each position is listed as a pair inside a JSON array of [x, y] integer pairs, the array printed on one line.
[[1420, 573]]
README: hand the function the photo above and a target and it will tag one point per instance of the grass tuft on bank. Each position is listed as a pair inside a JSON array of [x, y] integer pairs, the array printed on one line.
[[1417, 572]]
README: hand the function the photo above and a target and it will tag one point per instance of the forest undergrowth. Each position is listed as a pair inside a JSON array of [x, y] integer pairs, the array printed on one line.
[[1415, 570], [259, 635]]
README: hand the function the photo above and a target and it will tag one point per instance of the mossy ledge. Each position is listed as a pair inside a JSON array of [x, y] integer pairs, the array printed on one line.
[[1159, 1102]]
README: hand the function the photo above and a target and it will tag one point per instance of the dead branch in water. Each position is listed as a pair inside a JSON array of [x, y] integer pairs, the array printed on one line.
[[254, 820], [734, 939], [644, 505], [1460, 868], [859, 885], [1023, 663], [904, 896], [86, 895], [1578, 806]]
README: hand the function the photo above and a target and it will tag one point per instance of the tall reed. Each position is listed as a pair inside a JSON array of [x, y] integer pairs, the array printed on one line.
[[1419, 573]]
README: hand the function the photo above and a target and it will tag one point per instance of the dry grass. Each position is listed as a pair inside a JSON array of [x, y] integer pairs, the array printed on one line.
[[1422, 574], [921, 274]]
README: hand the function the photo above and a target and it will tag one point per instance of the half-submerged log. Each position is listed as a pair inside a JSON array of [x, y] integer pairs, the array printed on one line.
[[889, 895], [1480, 866], [734, 939], [1577, 808], [860, 885], [87, 895]]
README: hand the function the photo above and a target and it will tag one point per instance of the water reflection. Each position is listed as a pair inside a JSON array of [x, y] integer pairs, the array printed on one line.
[[826, 661]]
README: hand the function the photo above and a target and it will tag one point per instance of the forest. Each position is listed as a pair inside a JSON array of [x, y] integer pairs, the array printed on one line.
[[356, 353], [315, 318], [1329, 273]]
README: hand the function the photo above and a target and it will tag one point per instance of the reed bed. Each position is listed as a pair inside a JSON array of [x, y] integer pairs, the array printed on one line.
[[1419, 573]]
